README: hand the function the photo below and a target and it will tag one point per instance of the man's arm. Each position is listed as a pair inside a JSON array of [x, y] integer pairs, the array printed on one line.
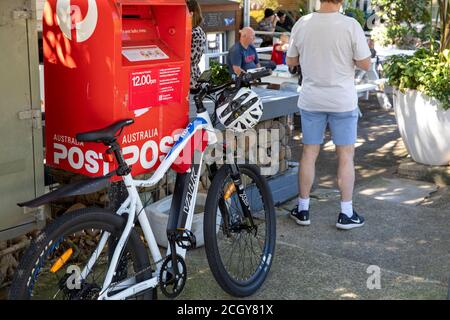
[[237, 70], [364, 64], [293, 53], [292, 61], [235, 59], [361, 52]]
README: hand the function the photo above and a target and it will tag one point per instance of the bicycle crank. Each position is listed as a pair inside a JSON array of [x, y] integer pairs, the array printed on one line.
[[171, 283]]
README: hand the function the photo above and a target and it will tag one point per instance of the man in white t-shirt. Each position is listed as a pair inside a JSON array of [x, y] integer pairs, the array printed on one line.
[[328, 45]]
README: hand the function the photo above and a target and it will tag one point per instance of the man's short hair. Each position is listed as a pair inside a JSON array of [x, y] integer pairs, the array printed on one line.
[[268, 13]]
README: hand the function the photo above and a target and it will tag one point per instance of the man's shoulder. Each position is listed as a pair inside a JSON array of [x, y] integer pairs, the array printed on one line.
[[305, 18], [350, 21], [235, 47], [300, 22]]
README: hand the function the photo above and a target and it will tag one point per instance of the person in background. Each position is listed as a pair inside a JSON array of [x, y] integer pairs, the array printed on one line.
[[242, 56], [284, 23], [198, 40], [371, 44], [268, 24], [328, 45], [280, 49]]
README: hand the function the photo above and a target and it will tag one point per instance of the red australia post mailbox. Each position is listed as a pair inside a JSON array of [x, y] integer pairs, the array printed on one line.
[[108, 60]]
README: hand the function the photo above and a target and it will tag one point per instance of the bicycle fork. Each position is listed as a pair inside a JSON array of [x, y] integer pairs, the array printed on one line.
[[242, 195], [238, 187]]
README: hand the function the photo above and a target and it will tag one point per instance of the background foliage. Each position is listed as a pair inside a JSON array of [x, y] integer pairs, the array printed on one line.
[[403, 22]]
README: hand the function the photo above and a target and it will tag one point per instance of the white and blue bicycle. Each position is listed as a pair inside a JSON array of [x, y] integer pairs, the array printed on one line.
[[96, 253]]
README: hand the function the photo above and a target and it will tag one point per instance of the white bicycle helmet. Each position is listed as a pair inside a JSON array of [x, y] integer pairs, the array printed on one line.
[[240, 111]]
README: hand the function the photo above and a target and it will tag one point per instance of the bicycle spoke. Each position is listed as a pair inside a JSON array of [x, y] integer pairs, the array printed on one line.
[[239, 246], [242, 252], [60, 284]]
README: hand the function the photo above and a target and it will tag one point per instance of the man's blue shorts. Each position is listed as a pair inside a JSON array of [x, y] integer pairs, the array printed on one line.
[[343, 126]]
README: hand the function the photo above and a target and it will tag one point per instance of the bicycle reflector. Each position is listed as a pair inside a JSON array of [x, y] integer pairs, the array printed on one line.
[[231, 188], [108, 156], [61, 260]]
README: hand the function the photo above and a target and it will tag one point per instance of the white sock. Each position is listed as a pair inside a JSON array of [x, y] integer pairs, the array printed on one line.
[[303, 204], [347, 208]]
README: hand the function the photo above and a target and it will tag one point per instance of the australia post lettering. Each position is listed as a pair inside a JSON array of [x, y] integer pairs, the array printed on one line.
[[144, 149]]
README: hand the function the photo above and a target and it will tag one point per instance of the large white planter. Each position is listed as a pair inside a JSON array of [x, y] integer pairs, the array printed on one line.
[[424, 127], [158, 214]]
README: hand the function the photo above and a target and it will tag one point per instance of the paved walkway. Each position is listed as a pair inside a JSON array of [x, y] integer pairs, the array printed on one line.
[[407, 234]]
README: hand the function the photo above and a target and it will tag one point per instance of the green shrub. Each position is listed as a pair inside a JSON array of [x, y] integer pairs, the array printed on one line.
[[400, 19], [427, 71], [220, 73]]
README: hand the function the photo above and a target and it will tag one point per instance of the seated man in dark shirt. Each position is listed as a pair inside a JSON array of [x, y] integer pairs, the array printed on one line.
[[242, 56]]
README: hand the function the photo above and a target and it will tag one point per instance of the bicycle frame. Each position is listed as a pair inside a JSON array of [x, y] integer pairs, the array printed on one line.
[[133, 206]]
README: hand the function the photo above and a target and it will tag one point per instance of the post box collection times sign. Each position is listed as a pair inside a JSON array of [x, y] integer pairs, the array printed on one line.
[[109, 60], [159, 86]]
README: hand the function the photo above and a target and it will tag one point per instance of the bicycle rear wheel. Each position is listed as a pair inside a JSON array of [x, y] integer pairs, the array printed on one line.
[[63, 249], [239, 258]]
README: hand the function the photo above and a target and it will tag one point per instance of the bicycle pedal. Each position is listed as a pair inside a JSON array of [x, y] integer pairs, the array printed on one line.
[[185, 239]]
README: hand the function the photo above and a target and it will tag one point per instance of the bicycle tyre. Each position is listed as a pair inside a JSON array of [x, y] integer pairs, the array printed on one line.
[[228, 282], [69, 223]]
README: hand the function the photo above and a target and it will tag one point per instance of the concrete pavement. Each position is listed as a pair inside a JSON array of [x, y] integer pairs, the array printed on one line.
[[409, 245], [407, 232]]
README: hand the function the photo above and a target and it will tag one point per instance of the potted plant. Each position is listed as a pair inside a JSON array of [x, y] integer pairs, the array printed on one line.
[[422, 96]]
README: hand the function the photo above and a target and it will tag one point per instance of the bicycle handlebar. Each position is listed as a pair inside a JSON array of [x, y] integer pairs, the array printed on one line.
[[244, 79], [258, 74]]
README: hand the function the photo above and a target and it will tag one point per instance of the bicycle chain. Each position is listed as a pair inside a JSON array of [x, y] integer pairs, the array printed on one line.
[[148, 268]]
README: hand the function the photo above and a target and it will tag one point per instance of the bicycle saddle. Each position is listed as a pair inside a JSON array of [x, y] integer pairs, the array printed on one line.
[[105, 135]]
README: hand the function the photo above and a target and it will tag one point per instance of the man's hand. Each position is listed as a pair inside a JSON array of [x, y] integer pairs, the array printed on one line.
[[237, 70], [292, 61]]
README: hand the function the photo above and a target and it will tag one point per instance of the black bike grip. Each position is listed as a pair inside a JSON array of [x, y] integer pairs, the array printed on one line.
[[260, 74]]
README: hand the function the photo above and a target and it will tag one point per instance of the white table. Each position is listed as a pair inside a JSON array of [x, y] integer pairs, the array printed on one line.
[[384, 53], [281, 75], [289, 82]]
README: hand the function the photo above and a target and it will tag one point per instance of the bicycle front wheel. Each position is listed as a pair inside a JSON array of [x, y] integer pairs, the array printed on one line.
[[50, 268], [240, 258]]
